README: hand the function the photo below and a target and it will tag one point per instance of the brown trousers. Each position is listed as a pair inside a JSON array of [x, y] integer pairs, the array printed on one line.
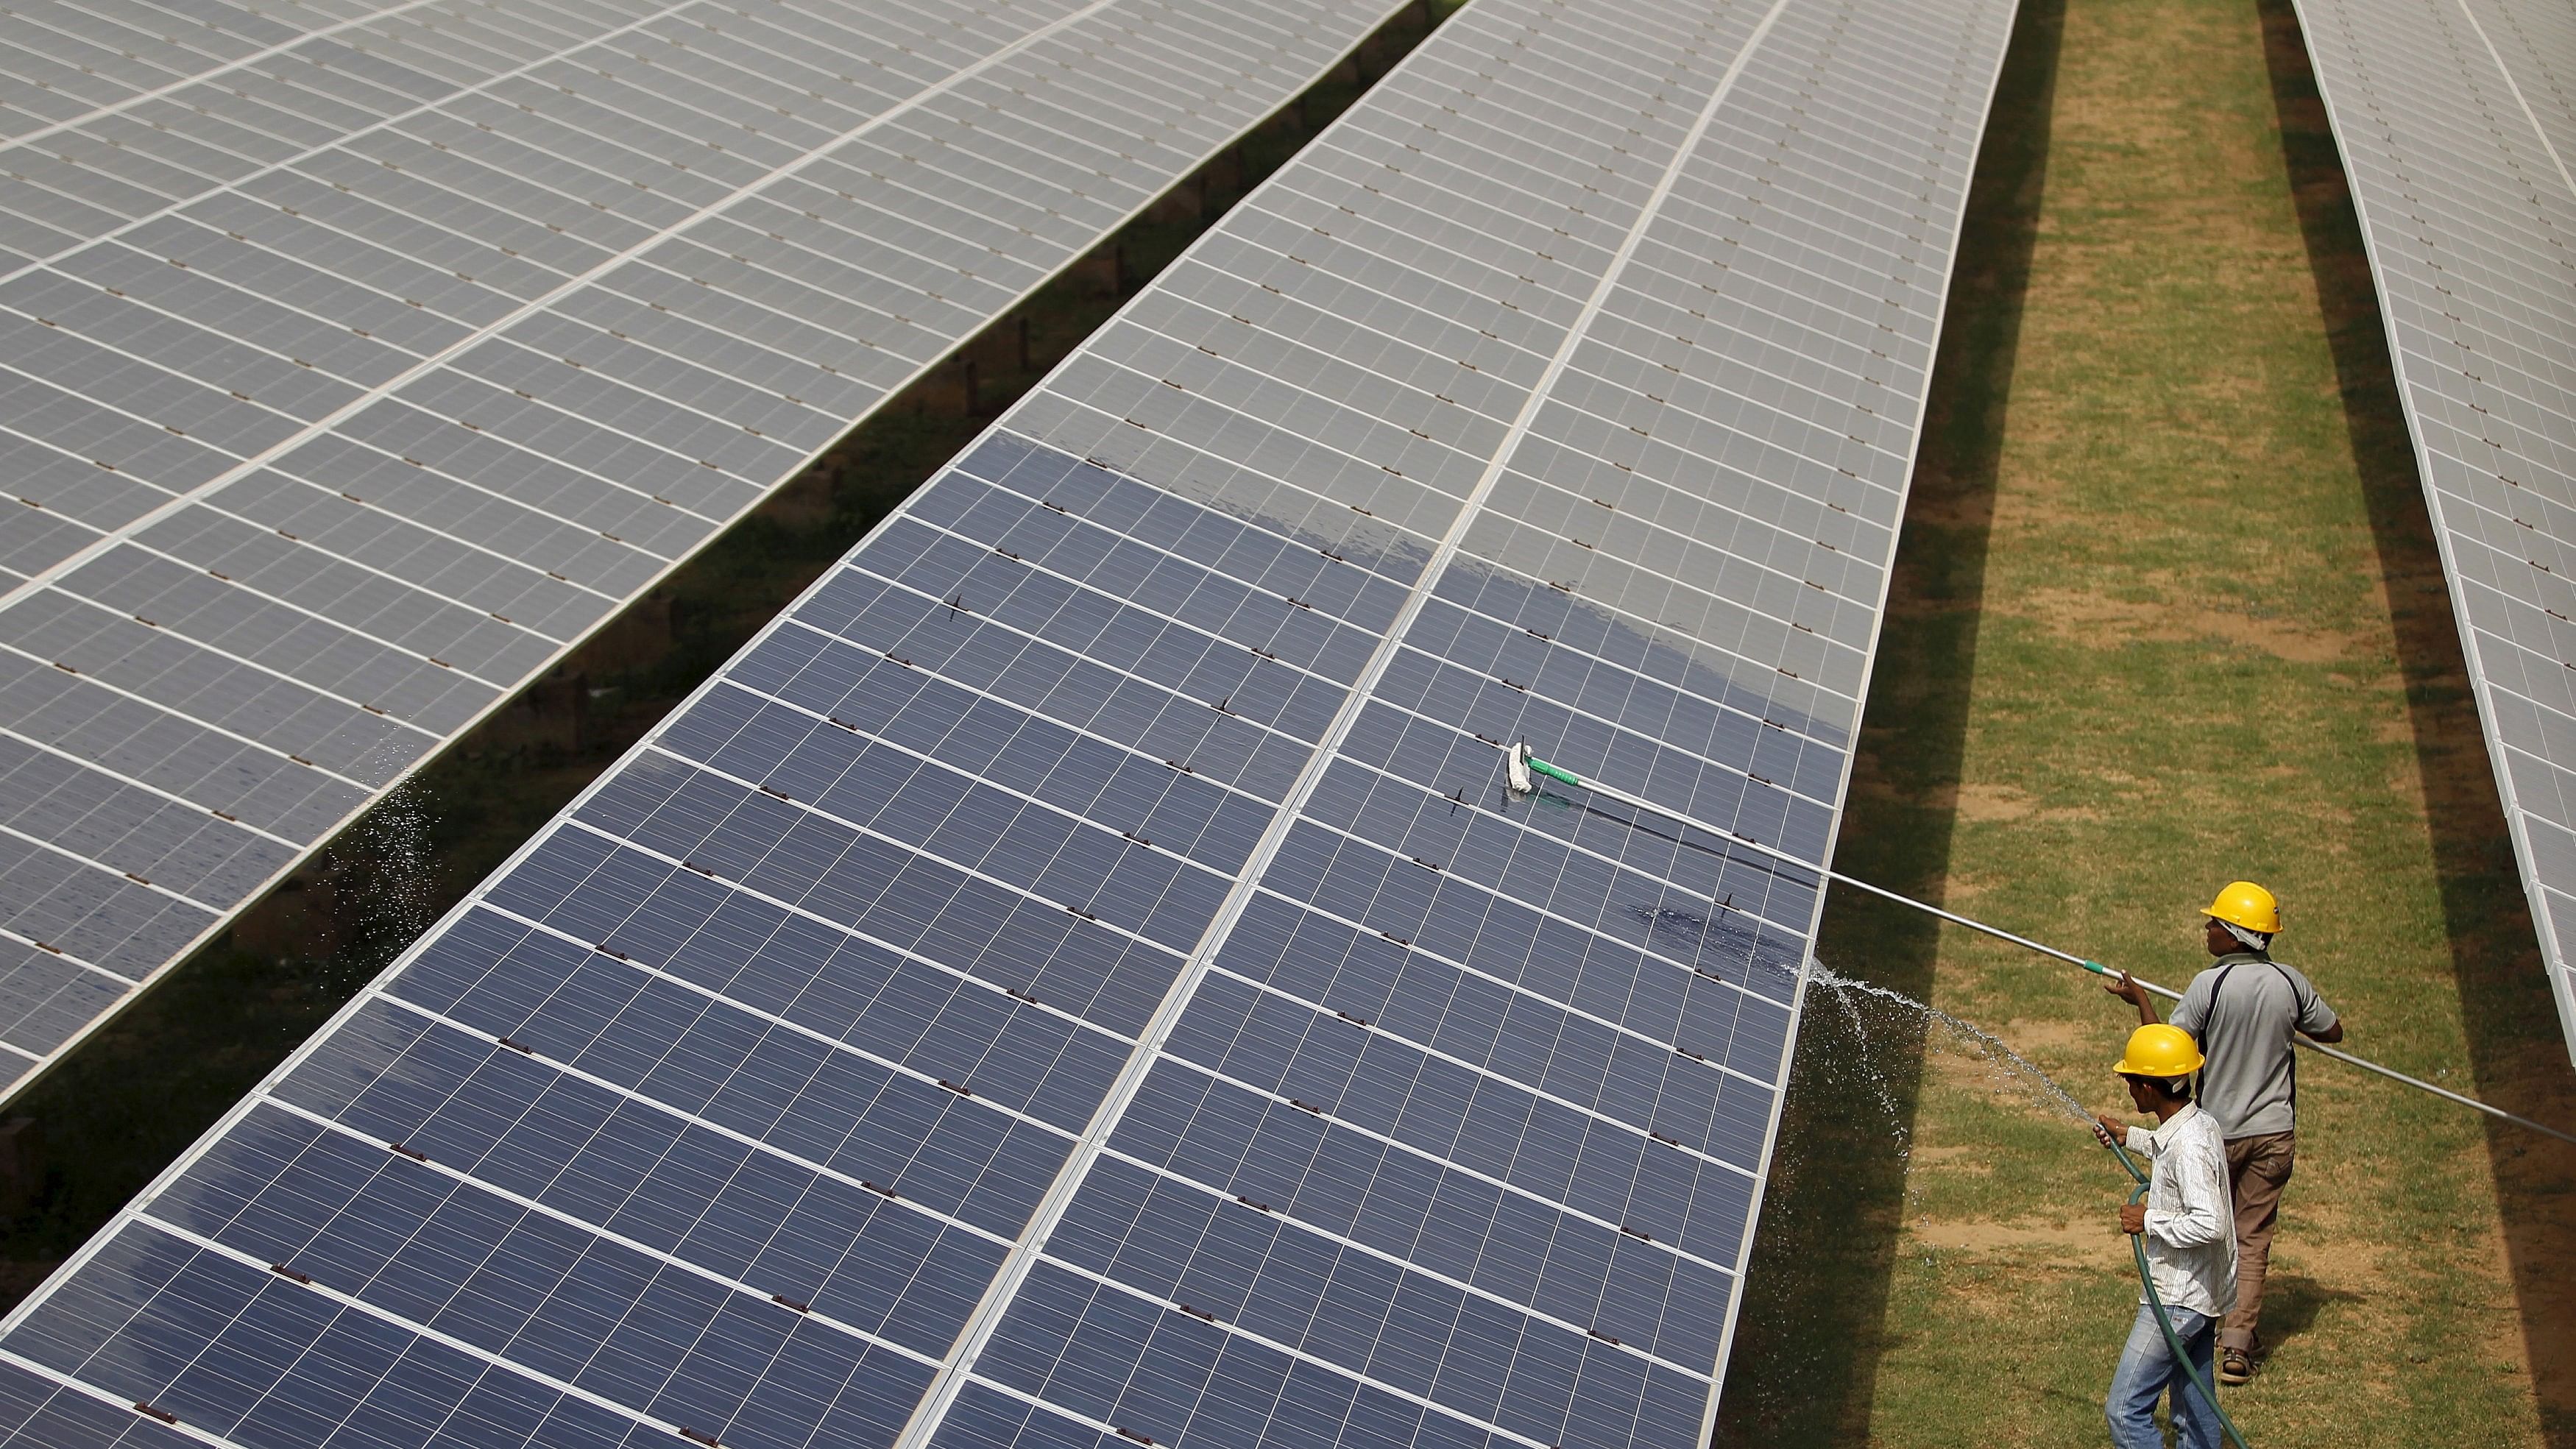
[[2257, 1169]]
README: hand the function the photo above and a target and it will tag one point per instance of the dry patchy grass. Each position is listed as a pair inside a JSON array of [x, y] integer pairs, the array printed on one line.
[[2165, 614]]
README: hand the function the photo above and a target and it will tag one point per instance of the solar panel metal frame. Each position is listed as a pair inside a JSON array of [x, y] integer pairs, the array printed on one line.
[[2469, 233], [173, 810]]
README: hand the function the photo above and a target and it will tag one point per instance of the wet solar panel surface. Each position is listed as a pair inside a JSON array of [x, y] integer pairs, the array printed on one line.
[[2457, 122], [1075, 978], [356, 361]]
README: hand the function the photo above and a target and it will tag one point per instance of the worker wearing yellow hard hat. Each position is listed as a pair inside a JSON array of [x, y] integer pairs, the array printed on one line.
[[2186, 1224], [2242, 1010], [2159, 1051], [2248, 911]]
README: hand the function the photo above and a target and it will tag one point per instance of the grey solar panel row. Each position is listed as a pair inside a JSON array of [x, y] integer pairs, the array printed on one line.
[[1075, 978], [356, 362], [2457, 122]]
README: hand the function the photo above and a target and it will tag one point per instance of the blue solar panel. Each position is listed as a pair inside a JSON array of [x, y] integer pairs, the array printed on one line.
[[1075, 978]]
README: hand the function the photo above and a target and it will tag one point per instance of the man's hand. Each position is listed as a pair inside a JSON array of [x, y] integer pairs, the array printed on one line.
[[2110, 1131], [2128, 990], [2133, 1218]]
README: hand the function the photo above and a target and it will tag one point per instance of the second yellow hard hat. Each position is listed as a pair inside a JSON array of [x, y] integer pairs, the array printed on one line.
[[2246, 904], [2159, 1051]]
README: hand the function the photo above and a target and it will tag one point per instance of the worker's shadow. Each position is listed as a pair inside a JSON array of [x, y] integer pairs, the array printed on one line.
[[2291, 1303], [2515, 1050], [1811, 1327]]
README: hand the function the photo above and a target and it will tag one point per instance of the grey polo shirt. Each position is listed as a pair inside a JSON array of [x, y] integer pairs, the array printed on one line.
[[2242, 1011]]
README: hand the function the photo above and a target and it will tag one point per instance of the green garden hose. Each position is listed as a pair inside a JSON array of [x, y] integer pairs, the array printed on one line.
[[2173, 1340]]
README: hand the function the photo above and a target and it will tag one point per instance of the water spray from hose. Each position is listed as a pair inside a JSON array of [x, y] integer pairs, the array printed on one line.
[[2027, 1072], [1984, 1042]]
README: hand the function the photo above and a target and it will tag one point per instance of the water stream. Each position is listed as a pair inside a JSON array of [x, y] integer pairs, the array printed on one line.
[[392, 880], [1857, 1001]]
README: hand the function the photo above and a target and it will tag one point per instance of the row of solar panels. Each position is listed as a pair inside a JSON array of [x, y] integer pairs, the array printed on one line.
[[2457, 122], [1074, 978], [356, 363]]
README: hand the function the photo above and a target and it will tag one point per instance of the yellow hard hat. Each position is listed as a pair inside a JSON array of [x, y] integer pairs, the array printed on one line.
[[2159, 1051], [2246, 904]]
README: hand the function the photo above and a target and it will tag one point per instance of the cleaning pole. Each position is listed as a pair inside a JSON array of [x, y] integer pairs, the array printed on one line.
[[1523, 771]]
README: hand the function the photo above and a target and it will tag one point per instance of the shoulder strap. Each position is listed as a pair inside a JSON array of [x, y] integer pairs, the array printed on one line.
[[2208, 1023], [2209, 1013], [2298, 1002], [2299, 1009]]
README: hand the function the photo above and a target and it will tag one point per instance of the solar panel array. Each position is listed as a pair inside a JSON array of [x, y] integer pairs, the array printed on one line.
[[359, 360], [2457, 122], [1075, 979]]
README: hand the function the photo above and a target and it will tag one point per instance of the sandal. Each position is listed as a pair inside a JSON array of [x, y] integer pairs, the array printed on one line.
[[2235, 1365]]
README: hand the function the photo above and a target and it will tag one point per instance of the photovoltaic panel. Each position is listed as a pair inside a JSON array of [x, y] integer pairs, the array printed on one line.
[[356, 361], [1075, 978], [2457, 123]]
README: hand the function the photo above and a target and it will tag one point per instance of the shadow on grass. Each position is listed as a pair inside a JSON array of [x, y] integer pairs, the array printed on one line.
[[2515, 1048], [2291, 1302], [1811, 1332]]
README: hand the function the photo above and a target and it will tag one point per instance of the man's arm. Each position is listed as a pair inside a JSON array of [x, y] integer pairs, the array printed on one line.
[[2316, 1020], [2112, 1132], [2134, 994]]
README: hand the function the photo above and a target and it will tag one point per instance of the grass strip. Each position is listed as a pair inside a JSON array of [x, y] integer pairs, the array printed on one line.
[[2167, 612]]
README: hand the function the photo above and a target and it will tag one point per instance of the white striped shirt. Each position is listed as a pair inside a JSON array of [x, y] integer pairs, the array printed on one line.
[[2191, 1213]]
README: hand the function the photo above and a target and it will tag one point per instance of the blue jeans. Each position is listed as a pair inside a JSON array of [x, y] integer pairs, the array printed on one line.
[[2147, 1369]]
